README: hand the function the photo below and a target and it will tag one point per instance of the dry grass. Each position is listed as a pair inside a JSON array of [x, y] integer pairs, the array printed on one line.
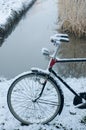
[[72, 16]]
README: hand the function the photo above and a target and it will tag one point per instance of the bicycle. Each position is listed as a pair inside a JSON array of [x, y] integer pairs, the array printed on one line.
[[36, 97]]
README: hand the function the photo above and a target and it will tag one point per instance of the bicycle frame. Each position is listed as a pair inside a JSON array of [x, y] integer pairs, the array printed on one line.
[[56, 60], [53, 60]]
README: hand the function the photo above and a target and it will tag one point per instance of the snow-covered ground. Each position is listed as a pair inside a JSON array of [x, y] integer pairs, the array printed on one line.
[[10, 9], [70, 118]]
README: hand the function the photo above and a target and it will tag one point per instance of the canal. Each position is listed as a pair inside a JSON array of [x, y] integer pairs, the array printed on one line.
[[22, 49]]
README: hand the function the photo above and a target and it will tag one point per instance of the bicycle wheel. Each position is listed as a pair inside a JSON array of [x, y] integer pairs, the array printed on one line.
[[25, 89]]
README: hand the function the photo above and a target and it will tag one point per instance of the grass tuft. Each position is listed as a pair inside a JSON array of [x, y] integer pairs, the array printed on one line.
[[72, 16]]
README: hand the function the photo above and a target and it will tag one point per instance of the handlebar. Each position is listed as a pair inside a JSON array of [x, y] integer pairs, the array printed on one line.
[[58, 38]]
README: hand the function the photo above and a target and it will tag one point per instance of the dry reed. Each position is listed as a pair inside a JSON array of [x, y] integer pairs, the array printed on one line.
[[72, 16]]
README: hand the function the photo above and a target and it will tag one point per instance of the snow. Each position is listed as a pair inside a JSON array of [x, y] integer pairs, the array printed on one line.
[[7, 6], [70, 117]]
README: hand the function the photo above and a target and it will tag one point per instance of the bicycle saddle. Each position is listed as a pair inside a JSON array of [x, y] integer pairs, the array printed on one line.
[[58, 38]]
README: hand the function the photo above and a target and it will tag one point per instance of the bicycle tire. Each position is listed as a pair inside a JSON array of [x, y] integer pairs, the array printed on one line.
[[22, 92]]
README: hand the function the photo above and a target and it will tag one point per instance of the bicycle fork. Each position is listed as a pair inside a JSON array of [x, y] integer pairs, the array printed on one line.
[[44, 84]]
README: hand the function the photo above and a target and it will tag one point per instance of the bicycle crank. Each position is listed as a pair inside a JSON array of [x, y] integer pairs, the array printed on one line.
[[78, 102]]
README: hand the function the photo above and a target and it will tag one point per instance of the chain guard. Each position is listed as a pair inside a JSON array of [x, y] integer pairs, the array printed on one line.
[[77, 100]]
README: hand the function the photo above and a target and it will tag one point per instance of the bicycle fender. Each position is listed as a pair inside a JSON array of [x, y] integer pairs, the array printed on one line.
[[34, 69]]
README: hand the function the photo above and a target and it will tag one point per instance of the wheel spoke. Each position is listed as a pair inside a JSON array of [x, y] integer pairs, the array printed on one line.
[[52, 103]]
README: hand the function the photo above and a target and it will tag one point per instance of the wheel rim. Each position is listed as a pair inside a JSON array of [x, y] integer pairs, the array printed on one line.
[[22, 97]]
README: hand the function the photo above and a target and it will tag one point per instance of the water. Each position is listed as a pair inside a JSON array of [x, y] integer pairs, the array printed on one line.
[[22, 49], [75, 49]]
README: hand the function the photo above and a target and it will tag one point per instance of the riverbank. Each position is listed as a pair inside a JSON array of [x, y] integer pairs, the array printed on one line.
[[10, 13], [72, 17]]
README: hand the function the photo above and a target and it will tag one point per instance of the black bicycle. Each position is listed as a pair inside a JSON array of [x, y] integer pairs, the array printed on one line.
[[36, 96]]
